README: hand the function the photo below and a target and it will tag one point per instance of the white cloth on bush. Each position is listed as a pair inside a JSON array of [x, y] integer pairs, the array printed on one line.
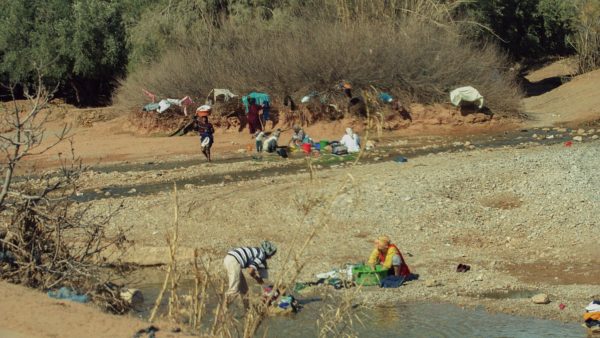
[[467, 94]]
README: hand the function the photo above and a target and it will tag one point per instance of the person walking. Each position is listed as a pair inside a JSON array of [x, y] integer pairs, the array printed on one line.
[[205, 131]]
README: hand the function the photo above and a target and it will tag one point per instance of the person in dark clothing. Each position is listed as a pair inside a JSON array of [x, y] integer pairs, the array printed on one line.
[[253, 118], [205, 130], [266, 108]]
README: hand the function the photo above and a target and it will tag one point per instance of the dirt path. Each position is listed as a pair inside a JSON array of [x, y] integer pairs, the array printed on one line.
[[28, 313], [571, 103]]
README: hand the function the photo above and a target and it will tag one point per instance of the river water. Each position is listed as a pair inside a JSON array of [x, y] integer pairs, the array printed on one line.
[[399, 320]]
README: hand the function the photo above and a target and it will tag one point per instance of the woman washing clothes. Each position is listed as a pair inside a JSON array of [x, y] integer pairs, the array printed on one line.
[[351, 141]]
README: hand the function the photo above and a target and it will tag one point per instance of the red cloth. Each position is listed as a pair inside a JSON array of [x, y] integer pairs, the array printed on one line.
[[404, 270], [253, 120]]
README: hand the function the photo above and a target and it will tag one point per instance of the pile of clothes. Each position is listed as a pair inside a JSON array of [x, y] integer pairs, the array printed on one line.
[[279, 303], [592, 316]]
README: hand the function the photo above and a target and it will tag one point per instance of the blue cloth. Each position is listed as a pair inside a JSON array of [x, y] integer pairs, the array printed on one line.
[[392, 282], [400, 159], [260, 98], [385, 97], [69, 294], [266, 110]]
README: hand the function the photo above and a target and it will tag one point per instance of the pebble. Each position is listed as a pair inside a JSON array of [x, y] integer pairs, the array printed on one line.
[[581, 131], [541, 298], [430, 283], [132, 191], [594, 137], [578, 138], [549, 137]]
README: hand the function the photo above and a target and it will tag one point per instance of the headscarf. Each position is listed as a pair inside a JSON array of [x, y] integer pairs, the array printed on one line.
[[349, 131], [268, 247]]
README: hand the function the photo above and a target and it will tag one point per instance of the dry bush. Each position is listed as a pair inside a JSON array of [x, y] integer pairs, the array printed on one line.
[[209, 281], [586, 40], [415, 52], [46, 239]]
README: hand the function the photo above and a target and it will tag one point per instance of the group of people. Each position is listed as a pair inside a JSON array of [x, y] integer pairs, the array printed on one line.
[[254, 260], [263, 141]]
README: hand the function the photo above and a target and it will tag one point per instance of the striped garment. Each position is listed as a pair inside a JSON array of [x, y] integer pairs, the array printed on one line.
[[250, 257]]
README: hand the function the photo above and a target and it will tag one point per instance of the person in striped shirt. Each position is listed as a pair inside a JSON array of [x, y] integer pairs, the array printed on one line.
[[250, 258]]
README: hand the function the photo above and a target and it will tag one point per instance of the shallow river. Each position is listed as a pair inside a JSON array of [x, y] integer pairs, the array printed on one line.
[[402, 320]]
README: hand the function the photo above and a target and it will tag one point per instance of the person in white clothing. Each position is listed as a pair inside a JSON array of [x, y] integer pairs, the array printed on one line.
[[351, 141]]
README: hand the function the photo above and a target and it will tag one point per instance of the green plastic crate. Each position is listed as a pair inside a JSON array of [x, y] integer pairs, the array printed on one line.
[[364, 275]]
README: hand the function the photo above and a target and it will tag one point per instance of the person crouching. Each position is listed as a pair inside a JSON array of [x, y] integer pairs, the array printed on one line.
[[250, 258], [389, 256]]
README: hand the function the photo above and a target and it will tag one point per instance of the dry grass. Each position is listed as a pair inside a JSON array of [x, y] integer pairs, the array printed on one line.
[[210, 281], [586, 40]]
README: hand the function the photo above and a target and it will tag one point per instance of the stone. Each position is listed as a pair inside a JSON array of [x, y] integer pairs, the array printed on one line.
[[241, 151], [132, 191], [534, 136], [467, 144], [578, 138], [594, 137], [479, 278], [541, 298], [549, 137], [580, 131], [430, 283], [188, 186], [107, 193]]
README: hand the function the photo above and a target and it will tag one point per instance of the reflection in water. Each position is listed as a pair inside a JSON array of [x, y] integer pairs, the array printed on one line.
[[403, 320]]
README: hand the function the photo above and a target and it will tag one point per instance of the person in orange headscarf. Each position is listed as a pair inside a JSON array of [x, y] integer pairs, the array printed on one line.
[[389, 256]]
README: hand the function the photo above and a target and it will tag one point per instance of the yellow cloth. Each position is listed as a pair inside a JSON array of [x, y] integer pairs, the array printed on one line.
[[374, 258], [591, 315]]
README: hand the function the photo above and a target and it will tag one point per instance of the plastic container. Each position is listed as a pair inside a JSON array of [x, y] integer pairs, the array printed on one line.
[[203, 110], [306, 148], [365, 276], [323, 144]]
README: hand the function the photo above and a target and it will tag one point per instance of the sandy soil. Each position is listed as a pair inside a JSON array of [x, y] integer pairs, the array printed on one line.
[[573, 102], [104, 138], [28, 313]]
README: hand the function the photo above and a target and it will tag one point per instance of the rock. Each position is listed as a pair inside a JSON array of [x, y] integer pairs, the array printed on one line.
[[430, 283], [541, 298], [241, 151], [594, 137], [578, 138], [188, 186], [377, 158], [580, 131], [107, 193], [132, 191], [534, 136], [549, 137], [479, 278], [467, 144]]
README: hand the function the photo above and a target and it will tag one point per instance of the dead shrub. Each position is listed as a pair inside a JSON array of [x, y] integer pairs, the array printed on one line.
[[586, 40], [415, 53]]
